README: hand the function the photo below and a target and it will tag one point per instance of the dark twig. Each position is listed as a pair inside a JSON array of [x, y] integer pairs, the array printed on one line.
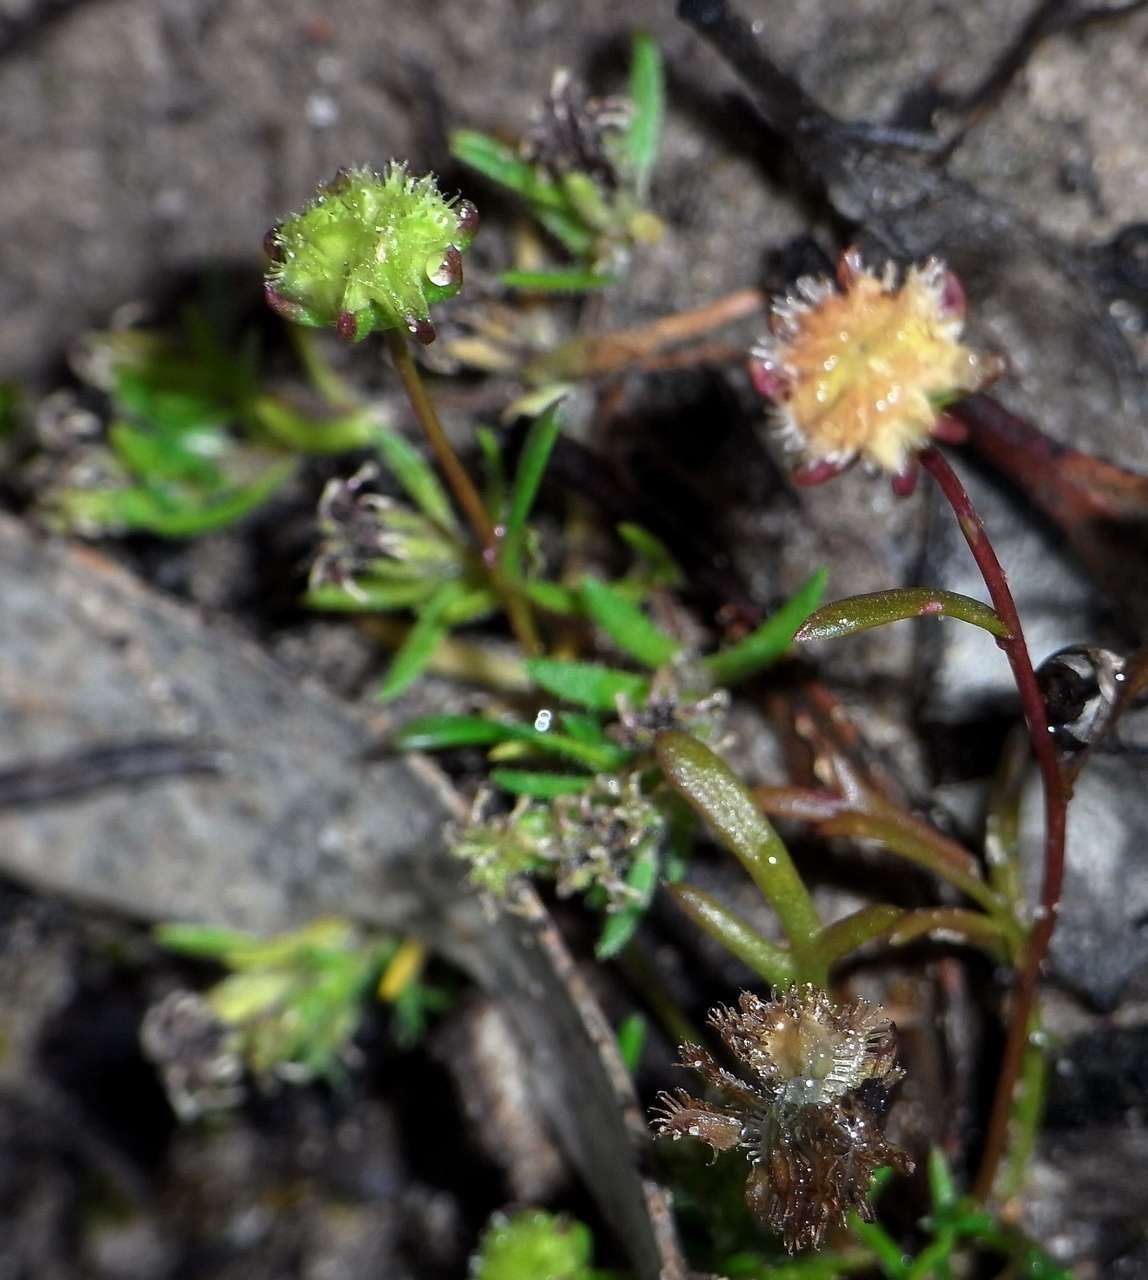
[[112, 764], [1055, 809]]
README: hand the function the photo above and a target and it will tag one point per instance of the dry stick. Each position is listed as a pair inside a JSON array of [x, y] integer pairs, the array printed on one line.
[[1055, 810], [466, 495]]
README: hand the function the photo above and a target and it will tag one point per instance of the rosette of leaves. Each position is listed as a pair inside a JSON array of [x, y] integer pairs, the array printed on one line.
[[192, 444], [598, 726], [583, 171]]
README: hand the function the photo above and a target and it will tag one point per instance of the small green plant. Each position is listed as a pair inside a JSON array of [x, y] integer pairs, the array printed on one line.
[[192, 444], [609, 827], [286, 1011], [583, 171], [960, 1233], [606, 759], [534, 1245]]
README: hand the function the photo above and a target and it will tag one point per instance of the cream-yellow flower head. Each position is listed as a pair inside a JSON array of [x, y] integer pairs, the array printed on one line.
[[861, 367]]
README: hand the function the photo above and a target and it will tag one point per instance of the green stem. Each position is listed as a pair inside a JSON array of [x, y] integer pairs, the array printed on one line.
[[1027, 1113], [907, 844], [957, 925], [466, 495]]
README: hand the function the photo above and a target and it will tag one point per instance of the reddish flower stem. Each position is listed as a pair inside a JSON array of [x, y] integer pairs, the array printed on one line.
[[1055, 811]]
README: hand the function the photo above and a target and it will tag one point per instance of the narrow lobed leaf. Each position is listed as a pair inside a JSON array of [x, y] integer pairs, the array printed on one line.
[[862, 613], [719, 796]]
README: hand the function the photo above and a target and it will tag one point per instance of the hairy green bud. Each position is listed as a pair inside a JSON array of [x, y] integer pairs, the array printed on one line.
[[372, 251]]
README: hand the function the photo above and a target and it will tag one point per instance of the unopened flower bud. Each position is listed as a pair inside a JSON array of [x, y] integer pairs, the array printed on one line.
[[372, 251]]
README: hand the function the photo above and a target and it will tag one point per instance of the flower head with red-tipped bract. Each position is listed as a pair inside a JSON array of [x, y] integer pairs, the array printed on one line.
[[809, 1121], [371, 251], [861, 367]]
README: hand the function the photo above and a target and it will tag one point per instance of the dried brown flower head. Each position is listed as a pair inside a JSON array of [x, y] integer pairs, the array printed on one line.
[[810, 1120], [571, 132], [860, 367]]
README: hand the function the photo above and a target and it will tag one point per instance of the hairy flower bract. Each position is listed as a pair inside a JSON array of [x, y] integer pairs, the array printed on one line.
[[808, 1120], [860, 367], [372, 251]]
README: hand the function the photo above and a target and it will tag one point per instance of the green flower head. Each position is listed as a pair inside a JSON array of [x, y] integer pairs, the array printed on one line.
[[371, 251]]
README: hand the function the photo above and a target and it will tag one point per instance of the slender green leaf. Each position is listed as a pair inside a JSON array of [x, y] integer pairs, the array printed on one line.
[[540, 441], [632, 1040], [566, 227], [888, 1251], [771, 639], [660, 568], [862, 613], [942, 1188], [491, 450], [573, 281], [554, 598], [502, 164], [417, 477], [647, 92], [737, 935], [436, 733], [621, 925], [439, 733], [718, 795], [533, 403], [627, 625], [586, 684], [199, 940], [368, 597], [355, 429], [539, 786], [583, 726], [414, 654]]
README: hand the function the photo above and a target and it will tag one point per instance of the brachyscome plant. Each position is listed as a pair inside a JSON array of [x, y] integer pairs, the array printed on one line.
[[192, 442], [286, 1011], [583, 169], [890, 383]]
